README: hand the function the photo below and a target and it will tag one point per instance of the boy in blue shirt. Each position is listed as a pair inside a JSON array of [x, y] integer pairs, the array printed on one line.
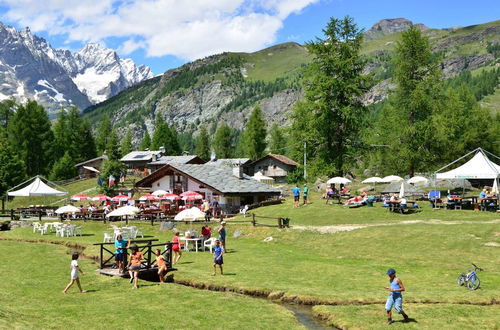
[[395, 299], [218, 252], [296, 196]]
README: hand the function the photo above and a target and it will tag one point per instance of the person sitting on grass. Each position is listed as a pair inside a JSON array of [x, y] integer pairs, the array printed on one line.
[[162, 265], [395, 298], [134, 265], [75, 269], [218, 252]]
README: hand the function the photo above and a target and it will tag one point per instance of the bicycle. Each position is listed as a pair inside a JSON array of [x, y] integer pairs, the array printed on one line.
[[470, 278]]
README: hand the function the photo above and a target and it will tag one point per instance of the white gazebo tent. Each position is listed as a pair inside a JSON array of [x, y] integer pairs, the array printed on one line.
[[35, 188], [478, 167]]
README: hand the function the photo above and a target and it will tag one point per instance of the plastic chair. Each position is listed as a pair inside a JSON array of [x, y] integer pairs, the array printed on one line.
[[107, 238], [209, 243], [37, 226]]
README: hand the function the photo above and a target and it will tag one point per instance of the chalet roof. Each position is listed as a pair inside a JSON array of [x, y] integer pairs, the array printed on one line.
[[163, 160], [280, 158], [103, 157], [220, 178], [230, 161], [135, 156]]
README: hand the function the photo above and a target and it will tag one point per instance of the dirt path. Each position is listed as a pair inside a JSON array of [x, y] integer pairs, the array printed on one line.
[[349, 227]]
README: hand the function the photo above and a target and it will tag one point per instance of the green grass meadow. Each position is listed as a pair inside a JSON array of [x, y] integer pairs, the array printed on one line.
[[344, 270]]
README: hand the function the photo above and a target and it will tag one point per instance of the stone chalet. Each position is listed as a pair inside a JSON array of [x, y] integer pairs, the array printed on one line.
[[243, 162], [230, 186], [90, 168], [137, 161], [274, 166], [165, 160]]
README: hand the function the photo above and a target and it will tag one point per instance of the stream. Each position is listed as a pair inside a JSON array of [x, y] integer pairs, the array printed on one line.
[[304, 316]]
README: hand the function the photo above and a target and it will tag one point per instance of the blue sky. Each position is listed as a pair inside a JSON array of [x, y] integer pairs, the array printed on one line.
[[167, 33]]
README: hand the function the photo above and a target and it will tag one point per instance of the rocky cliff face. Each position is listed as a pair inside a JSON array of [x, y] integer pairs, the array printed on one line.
[[390, 25], [31, 68]]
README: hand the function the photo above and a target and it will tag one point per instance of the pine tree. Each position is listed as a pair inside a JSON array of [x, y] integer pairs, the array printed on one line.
[[255, 135], [329, 117], [102, 134], [222, 144], [112, 147], [165, 137], [111, 166], [87, 141], [126, 145], [203, 144], [6, 112], [12, 169], [64, 168], [277, 140], [146, 141], [31, 136], [61, 135]]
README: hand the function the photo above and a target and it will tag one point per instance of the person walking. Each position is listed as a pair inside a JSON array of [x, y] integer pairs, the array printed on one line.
[[176, 248], [75, 269], [305, 193], [162, 265], [134, 265], [222, 235], [218, 252], [395, 298], [296, 196]]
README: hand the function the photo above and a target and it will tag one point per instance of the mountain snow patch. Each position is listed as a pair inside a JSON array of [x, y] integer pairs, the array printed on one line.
[[94, 84]]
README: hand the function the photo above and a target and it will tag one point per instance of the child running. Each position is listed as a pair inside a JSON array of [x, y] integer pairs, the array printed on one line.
[[395, 299], [176, 247], [74, 273], [162, 265], [218, 251]]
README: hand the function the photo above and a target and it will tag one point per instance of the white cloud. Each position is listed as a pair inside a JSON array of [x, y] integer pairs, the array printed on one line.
[[188, 29]]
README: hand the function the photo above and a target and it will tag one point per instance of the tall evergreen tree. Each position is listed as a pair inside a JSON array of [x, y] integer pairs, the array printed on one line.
[[222, 143], [146, 141], [102, 134], [32, 138], [329, 117], [126, 145], [64, 168], [255, 135], [203, 144], [113, 147], [87, 141], [61, 134], [6, 112], [12, 169], [112, 166], [277, 143], [165, 137], [408, 130]]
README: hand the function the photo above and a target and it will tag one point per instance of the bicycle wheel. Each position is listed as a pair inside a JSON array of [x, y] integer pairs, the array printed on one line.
[[461, 280], [473, 282]]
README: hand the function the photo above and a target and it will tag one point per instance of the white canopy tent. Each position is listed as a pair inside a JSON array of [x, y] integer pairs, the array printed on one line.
[[36, 188], [478, 167], [262, 178]]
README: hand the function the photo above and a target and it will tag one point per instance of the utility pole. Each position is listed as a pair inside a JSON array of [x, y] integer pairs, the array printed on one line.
[[305, 161]]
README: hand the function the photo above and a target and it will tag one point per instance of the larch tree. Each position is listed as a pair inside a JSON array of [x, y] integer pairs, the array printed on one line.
[[103, 131], [222, 143], [254, 136], [146, 141], [203, 144]]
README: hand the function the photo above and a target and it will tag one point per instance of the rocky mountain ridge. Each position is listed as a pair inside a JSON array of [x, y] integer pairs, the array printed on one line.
[[31, 68]]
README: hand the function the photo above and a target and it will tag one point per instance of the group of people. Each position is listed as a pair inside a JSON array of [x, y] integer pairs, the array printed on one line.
[[296, 195]]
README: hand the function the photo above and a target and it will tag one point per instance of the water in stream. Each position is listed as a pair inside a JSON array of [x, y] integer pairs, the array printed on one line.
[[304, 316]]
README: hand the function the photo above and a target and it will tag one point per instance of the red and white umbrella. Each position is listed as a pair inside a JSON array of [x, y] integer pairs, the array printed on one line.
[[191, 194], [100, 198], [148, 197], [191, 199], [120, 198], [80, 198], [172, 197]]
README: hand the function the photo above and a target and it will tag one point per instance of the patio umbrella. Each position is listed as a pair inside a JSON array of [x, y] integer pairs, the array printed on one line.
[[494, 191], [418, 179], [190, 214], [160, 192], [67, 209], [192, 194], [172, 197], [392, 178], [373, 179], [120, 198], [148, 197], [338, 180], [402, 190], [100, 198], [80, 198], [123, 211]]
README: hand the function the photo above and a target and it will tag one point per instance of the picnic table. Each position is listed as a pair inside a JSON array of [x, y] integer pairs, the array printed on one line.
[[488, 203], [191, 239], [396, 206]]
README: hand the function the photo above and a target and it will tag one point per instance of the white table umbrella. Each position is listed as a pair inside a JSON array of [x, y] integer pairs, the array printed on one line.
[[392, 178], [123, 211], [190, 214], [373, 179], [160, 192], [402, 190], [495, 187], [338, 180], [67, 209], [418, 179]]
